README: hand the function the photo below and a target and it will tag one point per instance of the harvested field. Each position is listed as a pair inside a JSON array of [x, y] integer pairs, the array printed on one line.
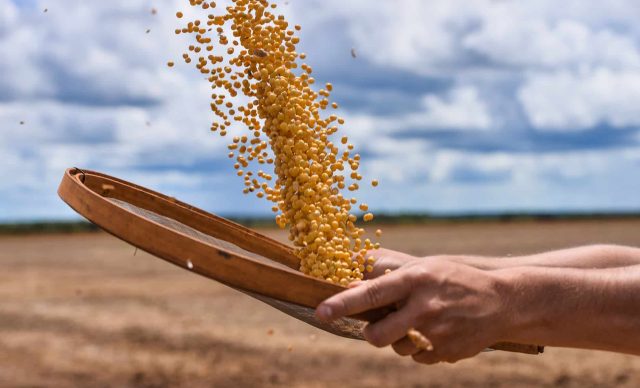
[[87, 310]]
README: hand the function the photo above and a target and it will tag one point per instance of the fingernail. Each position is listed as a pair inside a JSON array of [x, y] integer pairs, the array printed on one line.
[[324, 312]]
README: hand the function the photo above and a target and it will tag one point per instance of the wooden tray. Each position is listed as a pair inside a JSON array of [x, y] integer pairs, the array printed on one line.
[[213, 247]]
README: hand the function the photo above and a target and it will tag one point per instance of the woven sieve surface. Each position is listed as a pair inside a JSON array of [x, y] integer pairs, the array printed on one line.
[[346, 327]]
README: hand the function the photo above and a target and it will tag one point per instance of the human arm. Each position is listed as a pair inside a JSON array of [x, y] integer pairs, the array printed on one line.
[[589, 256], [578, 308], [463, 310]]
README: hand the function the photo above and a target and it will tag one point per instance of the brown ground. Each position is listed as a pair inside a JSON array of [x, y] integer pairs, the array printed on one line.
[[81, 310]]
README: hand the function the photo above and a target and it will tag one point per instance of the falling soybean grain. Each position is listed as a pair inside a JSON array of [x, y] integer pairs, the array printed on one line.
[[261, 87]]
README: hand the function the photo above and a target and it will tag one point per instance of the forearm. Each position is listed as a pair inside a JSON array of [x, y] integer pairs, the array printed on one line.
[[592, 256], [592, 309]]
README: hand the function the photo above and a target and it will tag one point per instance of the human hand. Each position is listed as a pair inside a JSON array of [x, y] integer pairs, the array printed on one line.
[[387, 259], [460, 309]]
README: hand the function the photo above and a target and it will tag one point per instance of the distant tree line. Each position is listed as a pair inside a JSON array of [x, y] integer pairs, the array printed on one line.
[[387, 219]]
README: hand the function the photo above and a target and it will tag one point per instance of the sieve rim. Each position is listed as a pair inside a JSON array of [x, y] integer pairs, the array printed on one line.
[[242, 272]]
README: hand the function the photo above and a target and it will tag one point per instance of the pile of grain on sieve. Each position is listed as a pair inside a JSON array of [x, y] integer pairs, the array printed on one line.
[[248, 54]]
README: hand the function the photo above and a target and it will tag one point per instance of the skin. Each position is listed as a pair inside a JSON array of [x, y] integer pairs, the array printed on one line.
[[587, 297]]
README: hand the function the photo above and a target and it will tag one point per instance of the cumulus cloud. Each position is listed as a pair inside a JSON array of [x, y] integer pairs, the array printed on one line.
[[8, 15], [426, 37], [535, 43], [447, 100], [97, 93], [462, 109], [84, 63], [509, 49], [578, 101]]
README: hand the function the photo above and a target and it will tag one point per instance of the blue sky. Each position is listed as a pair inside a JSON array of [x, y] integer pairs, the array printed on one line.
[[456, 106]]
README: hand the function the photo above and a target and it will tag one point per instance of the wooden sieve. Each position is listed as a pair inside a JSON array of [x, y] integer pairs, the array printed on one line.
[[214, 247]]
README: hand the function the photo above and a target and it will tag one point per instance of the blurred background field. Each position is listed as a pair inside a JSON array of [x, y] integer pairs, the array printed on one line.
[[85, 309]]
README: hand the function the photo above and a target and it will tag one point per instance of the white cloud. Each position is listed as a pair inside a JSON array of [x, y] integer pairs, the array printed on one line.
[[86, 78], [52, 57], [461, 109], [398, 161], [447, 163], [566, 100], [413, 35], [96, 93], [427, 37], [523, 42], [8, 15], [422, 165], [582, 57]]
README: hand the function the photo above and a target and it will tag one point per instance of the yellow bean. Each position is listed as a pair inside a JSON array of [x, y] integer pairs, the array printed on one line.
[[259, 84]]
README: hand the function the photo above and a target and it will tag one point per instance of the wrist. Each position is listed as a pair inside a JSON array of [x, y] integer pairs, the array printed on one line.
[[528, 309]]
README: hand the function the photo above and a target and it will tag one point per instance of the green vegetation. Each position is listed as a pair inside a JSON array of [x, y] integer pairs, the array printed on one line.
[[413, 218], [423, 218], [47, 227], [381, 219]]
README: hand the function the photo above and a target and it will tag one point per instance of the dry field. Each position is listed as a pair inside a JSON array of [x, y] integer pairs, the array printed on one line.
[[82, 310]]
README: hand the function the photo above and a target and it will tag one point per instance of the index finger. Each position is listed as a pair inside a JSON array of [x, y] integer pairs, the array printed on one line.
[[386, 259], [379, 292]]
